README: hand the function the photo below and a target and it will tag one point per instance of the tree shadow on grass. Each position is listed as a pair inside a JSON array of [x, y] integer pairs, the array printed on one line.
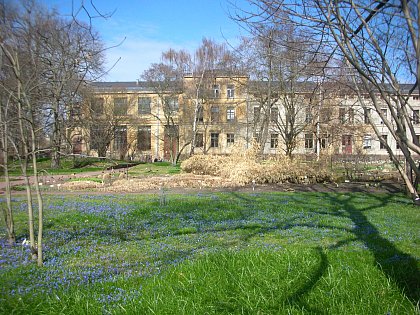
[[397, 266]]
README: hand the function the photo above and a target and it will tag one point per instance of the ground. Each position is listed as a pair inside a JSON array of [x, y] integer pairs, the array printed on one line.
[[189, 183]]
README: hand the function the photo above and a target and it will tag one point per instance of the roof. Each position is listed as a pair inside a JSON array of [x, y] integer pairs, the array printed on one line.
[[142, 86]]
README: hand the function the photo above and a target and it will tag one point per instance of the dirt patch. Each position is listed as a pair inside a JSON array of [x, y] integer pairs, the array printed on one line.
[[184, 183]]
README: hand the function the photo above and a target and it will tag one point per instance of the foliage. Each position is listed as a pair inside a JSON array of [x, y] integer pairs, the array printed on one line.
[[83, 162], [217, 253], [243, 167], [157, 168]]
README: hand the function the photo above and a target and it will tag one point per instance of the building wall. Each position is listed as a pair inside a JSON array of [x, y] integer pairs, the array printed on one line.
[[232, 124]]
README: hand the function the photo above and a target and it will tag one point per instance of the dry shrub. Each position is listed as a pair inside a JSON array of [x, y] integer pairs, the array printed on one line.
[[176, 181], [80, 185], [243, 166]]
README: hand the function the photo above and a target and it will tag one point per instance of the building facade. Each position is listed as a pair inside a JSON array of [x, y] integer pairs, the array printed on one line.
[[149, 124]]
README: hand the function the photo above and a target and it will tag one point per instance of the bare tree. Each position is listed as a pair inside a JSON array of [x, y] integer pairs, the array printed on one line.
[[6, 123], [210, 61], [70, 53], [380, 44], [165, 78], [282, 63], [193, 77], [31, 80]]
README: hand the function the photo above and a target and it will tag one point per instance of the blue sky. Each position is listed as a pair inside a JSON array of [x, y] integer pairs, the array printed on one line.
[[152, 26]]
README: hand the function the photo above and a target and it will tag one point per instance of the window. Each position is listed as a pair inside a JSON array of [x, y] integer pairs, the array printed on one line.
[[274, 114], [171, 104], [416, 116], [324, 141], [120, 138], [308, 116], [144, 105], [309, 141], [274, 141], [214, 113], [346, 144], [230, 138], [199, 140], [416, 97], [214, 140], [230, 114], [200, 114], [342, 115], [367, 142], [230, 92], [97, 106], [96, 136], [216, 90], [350, 117], [256, 136], [366, 112], [384, 113], [325, 115], [385, 139], [120, 106], [257, 111], [144, 138]]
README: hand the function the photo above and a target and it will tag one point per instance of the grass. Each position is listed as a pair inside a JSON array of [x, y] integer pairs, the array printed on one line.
[[153, 169], [68, 166], [224, 253]]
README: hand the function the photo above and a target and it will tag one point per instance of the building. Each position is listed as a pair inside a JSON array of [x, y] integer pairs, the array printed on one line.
[[153, 122]]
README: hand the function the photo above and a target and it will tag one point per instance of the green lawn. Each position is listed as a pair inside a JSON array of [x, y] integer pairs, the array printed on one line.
[[81, 165], [218, 253], [153, 169], [68, 166]]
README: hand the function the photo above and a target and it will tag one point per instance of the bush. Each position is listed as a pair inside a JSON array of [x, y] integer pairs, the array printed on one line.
[[243, 167], [83, 162]]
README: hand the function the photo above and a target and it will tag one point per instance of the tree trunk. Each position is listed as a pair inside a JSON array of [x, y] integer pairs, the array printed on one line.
[[8, 213], [40, 203], [56, 143]]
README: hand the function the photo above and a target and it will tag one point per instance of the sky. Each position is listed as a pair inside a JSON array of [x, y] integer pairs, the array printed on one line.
[[143, 29]]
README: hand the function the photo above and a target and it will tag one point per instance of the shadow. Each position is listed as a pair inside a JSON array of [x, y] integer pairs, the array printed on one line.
[[397, 266], [298, 296]]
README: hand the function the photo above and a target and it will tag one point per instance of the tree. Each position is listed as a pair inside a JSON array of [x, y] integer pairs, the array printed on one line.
[[70, 53], [193, 77], [379, 42], [6, 122], [282, 62], [210, 61], [32, 78], [166, 80]]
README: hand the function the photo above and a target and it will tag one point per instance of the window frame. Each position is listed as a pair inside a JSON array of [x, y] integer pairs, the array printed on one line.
[[144, 108], [120, 107], [215, 113], [214, 140], [274, 141], [309, 141], [381, 146], [230, 114], [199, 140], [147, 130], [230, 139], [216, 90], [230, 91]]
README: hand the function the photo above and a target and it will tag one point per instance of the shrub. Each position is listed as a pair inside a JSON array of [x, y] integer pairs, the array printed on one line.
[[82, 162], [243, 167]]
